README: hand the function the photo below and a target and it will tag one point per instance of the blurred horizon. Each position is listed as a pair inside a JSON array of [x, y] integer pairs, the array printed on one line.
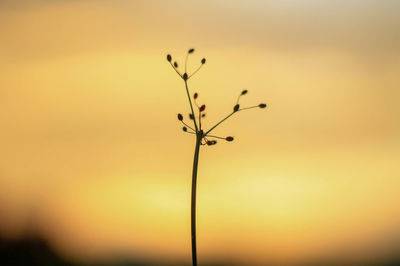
[[94, 161]]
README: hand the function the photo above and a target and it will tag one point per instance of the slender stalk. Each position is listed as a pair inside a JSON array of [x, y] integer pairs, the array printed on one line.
[[188, 126], [218, 123], [191, 107], [176, 70], [211, 136], [193, 201], [196, 70], [251, 107]]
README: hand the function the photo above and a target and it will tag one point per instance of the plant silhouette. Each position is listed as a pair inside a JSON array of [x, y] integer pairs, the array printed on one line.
[[203, 137]]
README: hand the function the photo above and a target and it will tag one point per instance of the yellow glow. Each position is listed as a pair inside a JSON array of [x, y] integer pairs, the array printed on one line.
[[92, 155]]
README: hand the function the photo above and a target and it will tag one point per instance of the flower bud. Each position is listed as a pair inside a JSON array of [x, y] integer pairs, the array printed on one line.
[[229, 138], [203, 61], [202, 108], [195, 95], [184, 129], [262, 105], [244, 92], [169, 57], [236, 108], [180, 117], [191, 51], [176, 64], [185, 76], [211, 142]]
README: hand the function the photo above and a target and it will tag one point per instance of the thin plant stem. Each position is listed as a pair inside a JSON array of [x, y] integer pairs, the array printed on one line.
[[219, 123], [256, 106], [211, 136], [238, 98], [251, 107], [191, 107], [176, 70], [196, 70], [193, 200], [199, 119], [188, 126]]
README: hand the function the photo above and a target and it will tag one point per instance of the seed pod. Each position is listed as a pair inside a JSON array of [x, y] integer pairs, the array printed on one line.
[[244, 92], [236, 108], [176, 64], [229, 138], [185, 76], [262, 105], [184, 129], [191, 51], [169, 57], [202, 108], [191, 117], [211, 142], [203, 61], [195, 95], [180, 117]]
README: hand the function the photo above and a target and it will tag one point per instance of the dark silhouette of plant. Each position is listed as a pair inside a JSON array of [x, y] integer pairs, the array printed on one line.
[[203, 137]]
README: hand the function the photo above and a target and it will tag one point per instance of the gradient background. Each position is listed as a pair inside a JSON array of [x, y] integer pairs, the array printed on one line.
[[93, 159]]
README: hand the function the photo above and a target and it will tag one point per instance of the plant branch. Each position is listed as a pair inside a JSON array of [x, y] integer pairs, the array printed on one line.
[[191, 107], [211, 136], [219, 123], [188, 126], [251, 107], [191, 75], [175, 69]]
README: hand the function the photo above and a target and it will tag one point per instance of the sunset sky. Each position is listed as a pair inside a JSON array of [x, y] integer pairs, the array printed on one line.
[[93, 159]]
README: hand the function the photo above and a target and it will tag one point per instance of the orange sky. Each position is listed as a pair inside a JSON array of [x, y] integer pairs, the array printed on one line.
[[92, 155]]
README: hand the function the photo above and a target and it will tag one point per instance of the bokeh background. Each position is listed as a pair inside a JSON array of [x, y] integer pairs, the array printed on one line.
[[94, 165]]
